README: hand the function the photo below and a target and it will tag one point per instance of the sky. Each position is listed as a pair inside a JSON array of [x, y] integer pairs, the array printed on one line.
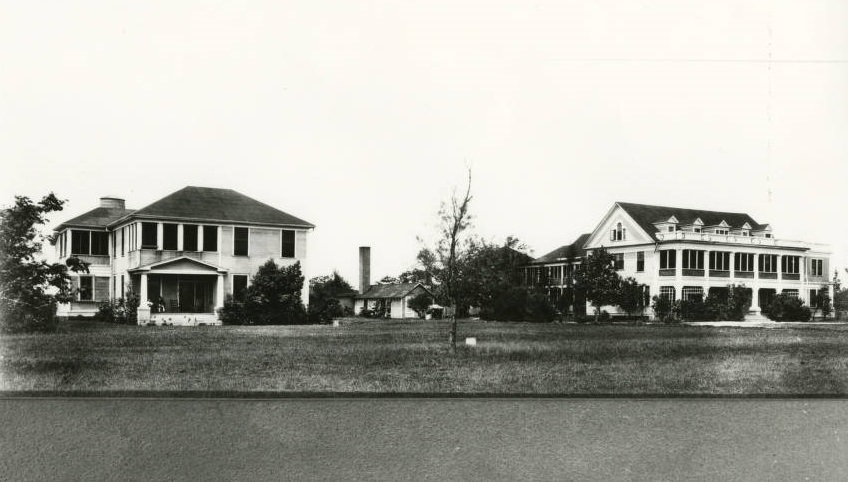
[[362, 117]]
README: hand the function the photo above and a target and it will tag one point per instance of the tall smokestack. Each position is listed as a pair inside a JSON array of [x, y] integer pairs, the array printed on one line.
[[364, 268], [111, 202]]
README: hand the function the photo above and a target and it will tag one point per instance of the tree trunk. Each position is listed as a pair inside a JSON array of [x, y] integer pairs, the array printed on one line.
[[453, 327]]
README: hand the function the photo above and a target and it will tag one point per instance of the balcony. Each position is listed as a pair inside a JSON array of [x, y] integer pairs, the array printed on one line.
[[765, 275], [738, 240], [743, 274], [693, 272], [790, 276], [719, 273]]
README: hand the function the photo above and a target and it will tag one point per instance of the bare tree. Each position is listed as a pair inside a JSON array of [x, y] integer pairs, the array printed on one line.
[[455, 219]]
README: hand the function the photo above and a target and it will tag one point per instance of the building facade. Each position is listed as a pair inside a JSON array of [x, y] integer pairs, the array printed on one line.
[[181, 254], [681, 253]]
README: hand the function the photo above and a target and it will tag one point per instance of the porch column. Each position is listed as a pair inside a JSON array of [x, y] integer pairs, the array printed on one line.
[[138, 235], [755, 289], [219, 292], [180, 237], [160, 236], [143, 312], [200, 237]]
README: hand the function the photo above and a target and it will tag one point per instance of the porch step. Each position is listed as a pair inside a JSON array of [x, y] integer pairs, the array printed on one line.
[[184, 319], [755, 316]]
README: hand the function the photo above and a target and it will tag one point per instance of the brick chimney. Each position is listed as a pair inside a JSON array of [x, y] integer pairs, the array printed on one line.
[[111, 202], [364, 269]]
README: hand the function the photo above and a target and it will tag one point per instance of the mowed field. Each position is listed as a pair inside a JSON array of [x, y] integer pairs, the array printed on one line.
[[412, 357]]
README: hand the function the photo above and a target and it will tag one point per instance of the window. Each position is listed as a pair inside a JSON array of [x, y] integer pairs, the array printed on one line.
[[668, 259], [768, 263], [80, 242], [792, 293], [640, 261], [86, 288], [99, 243], [693, 259], [790, 264], [169, 236], [239, 285], [240, 241], [720, 260], [690, 293], [122, 286], [210, 238], [148, 236], [671, 229], [618, 233], [190, 237], [697, 230], [287, 244], [768, 235], [619, 261], [744, 262], [744, 233], [667, 292], [721, 231], [123, 241], [816, 267]]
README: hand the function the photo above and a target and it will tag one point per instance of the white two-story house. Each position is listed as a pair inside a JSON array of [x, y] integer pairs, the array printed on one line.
[[181, 254], [680, 253]]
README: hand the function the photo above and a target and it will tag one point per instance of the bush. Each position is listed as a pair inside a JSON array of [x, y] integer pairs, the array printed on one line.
[[663, 308], [785, 307], [232, 313], [120, 310]]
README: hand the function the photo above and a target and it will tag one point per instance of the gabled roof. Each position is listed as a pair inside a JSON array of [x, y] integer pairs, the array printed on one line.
[[569, 251], [394, 290], [219, 205], [647, 215], [96, 218]]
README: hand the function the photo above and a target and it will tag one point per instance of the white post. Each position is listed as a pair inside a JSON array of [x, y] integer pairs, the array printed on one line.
[[200, 237], [160, 236], [138, 235], [180, 237], [143, 312], [219, 292]]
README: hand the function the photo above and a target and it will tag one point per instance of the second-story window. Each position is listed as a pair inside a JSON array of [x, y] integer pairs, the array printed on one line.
[[148, 236], [640, 261], [668, 259], [169, 236], [94, 243], [720, 260], [287, 249], [80, 242], [816, 267], [241, 238], [768, 263], [744, 262], [791, 265], [618, 261], [190, 237], [210, 238], [693, 259]]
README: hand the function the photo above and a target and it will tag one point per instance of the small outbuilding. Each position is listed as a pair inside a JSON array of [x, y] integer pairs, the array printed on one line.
[[390, 299]]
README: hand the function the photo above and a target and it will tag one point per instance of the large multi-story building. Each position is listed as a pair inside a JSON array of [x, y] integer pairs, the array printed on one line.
[[680, 253], [181, 254]]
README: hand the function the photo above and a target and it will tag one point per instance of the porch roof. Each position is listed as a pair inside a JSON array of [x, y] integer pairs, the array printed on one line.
[[180, 265]]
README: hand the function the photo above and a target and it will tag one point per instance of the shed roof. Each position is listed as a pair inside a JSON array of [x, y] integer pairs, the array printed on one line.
[[394, 290], [99, 217], [569, 251]]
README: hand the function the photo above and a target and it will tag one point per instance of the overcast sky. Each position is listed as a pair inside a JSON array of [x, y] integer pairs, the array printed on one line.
[[361, 117]]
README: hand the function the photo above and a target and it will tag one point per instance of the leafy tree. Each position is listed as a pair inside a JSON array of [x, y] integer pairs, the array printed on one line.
[[388, 280], [597, 279], [840, 296], [274, 298], [419, 303], [30, 288], [822, 301], [324, 292], [631, 296]]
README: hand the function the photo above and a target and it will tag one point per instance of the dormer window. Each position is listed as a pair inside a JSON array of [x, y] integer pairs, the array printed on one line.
[[619, 233], [671, 229], [697, 230], [722, 231]]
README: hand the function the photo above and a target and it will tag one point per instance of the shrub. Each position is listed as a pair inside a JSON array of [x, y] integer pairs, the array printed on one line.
[[232, 313], [663, 308], [120, 310], [785, 307], [604, 316], [538, 309]]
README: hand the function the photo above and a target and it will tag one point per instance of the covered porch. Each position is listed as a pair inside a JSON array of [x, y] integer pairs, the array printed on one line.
[[181, 291]]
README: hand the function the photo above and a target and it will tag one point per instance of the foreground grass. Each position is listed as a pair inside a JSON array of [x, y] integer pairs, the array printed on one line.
[[413, 357]]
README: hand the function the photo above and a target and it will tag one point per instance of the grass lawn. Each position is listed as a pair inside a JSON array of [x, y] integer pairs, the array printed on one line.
[[413, 357]]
